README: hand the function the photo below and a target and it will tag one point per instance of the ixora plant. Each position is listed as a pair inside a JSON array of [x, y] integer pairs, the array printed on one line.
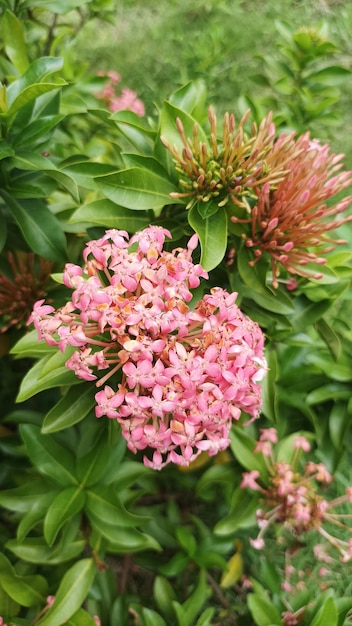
[[206, 334]]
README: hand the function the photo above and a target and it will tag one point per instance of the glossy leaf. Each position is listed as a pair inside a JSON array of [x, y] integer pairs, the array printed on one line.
[[35, 513], [35, 380], [71, 593], [14, 41], [66, 504], [37, 72], [136, 189], [23, 498], [108, 214], [122, 539], [49, 457], [36, 550], [39, 227], [212, 233], [71, 409], [106, 505], [29, 346], [26, 590]]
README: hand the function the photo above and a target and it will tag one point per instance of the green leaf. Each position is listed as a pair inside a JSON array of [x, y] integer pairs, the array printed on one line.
[[30, 346], [39, 227], [327, 614], [194, 602], [151, 618], [14, 42], [330, 337], [49, 457], [241, 514], [109, 508], [36, 132], [263, 611], [26, 590], [67, 503], [308, 313], [35, 514], [122, 539], [190, 98], [71, 593], [331, 75], [35, 381], [212, 233], [242, 446], [108, 214], [81, 618], [36, 550], [84, 171], [330, 391], [164, 595], [23, 498], [25, 160], [135, 130], [136, 188], [62, 7], [71, 409], [339, 421], [269, 386], [32, 93], [38, 71]]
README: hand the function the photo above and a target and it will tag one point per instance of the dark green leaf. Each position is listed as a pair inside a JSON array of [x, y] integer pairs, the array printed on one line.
[[212, 233], [50, 458], [241, 514], [71, 409], [39, 227], [67, 503], [109, 508]]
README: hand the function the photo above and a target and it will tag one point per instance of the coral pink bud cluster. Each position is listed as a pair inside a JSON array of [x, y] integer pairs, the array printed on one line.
[[178, 376], [289, 496]]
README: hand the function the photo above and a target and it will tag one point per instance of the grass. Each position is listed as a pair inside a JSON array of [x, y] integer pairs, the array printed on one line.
[[159, 45]]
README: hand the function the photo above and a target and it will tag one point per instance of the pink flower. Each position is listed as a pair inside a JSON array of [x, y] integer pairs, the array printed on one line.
[[174, 377], [249, 480]]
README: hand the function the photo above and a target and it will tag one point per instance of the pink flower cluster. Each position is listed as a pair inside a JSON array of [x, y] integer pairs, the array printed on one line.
[[127, 99], [178, 376], [290, 497]]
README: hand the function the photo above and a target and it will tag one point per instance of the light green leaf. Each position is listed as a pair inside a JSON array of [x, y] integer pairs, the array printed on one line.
[[137, 189], [62, 7], [212, 233], [71, 409], [13, 38], [30, 346], [327, 614], [108, 214], [31, 93], [39, 227], [190, 98], [135, 130], [26, 590], [37, 72], [263, 611], [66, 504], [34, 381], [50, 458], [72, 592]]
